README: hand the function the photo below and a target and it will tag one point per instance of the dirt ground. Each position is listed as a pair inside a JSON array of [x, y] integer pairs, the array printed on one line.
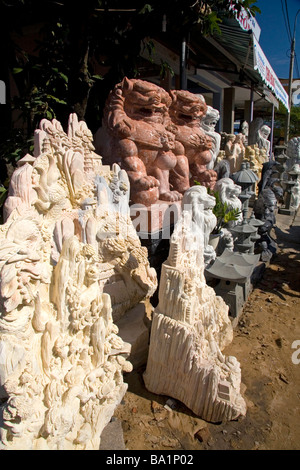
[[263, 344]]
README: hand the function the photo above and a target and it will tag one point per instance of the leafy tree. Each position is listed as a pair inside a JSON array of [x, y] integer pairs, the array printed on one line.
[[280, 122], [83, 49]]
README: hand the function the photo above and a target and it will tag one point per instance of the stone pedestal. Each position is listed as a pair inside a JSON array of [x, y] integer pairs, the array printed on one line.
[[154, 226], [155, 218], [134, 329], [233, 295], [288, 208], [234, 271]]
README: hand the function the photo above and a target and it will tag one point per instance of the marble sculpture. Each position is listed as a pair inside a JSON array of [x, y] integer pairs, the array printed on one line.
[[229, 194], [68, 252], [293, 153], [187, 112], [137, 134], [245, 132], [234, 151], [157, 138], [208, 124], [259, 135], [191, 327]]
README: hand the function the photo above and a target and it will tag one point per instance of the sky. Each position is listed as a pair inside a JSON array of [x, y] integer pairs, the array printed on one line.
[[274, 39]]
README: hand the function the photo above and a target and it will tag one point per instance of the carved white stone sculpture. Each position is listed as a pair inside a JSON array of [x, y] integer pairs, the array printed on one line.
[[245, 132], [229, 194], [295, 190], [263, 142], [67, 244], [208, 124], [190, 328], [293, 153], [259, 134]]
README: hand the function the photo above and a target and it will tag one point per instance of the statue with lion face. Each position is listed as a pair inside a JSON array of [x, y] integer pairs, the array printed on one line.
[[137, 134], [187, 112]]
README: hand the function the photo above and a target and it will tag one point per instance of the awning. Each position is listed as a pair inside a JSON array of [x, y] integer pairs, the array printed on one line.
[[244, 47], [262, 65]]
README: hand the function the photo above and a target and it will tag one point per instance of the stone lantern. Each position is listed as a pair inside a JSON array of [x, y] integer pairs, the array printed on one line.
[[244, 234], [292, 190], [234, 270], [281, 158], [257, 224], [247, 179]]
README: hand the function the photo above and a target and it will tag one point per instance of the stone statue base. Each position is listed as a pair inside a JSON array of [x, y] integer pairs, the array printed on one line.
[[150, 220]]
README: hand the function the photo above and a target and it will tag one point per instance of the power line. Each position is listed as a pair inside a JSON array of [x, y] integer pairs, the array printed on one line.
[[288, 19], [288, 29]]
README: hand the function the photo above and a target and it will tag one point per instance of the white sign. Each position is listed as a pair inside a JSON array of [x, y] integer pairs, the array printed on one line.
[[262, 65], [247, 23]]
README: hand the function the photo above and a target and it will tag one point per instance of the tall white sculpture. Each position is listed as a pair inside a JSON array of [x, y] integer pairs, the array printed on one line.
[[259, 135], [293, 153], [68, 251], [208, 124], [245, 132], [229, 194], [191, 327]]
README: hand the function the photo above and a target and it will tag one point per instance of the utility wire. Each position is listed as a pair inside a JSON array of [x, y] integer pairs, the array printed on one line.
[[288, 19], [285, 12], [288, 29]]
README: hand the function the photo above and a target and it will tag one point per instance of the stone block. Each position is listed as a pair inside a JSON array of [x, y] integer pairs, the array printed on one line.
[[133, 329]]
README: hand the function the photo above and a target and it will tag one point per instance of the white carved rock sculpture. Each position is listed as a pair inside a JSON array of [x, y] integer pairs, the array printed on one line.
[[190, 328], [234, 151], [259, 135], [229, 194], [293, 153], [68, 248], [208, 124]]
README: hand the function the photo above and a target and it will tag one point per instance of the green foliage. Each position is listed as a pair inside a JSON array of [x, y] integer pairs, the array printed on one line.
[[15, 146], [84, 48], [42, 78], [3, 194], [295, 122], [280, 122], [223, 212]]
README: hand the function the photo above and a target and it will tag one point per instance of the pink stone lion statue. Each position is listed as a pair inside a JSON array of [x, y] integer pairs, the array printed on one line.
[[137, 134], [186, 112]]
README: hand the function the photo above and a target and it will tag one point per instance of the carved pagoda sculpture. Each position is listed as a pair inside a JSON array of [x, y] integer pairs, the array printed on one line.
[[136, 134], [191, 327], [66, 245], [187, 111]]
